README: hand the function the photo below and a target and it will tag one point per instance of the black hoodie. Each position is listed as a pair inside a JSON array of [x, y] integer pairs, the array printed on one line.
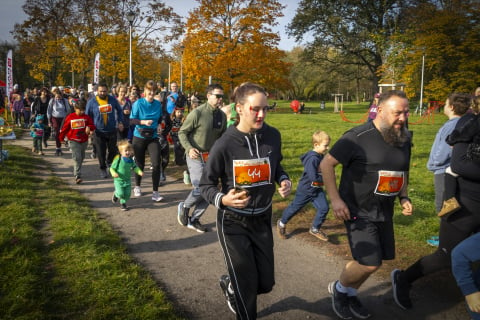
[[233, 147]]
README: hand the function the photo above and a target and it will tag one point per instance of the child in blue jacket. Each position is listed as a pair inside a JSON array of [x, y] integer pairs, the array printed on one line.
[[37, 131], [310, 189]]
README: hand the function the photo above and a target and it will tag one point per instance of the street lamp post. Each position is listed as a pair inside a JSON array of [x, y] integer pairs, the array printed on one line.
[[169, 71], [181, 69], [130, 18], [421, 83]]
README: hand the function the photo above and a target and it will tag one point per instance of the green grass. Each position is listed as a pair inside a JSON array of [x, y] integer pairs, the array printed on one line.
[[59, 259]]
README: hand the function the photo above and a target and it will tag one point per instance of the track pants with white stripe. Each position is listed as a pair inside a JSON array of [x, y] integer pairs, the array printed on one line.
[[247, 244]]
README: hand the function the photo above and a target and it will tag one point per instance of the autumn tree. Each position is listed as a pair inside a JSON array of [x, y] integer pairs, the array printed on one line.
[[61, 36], [359, 31], [232, 41], [447, 35]]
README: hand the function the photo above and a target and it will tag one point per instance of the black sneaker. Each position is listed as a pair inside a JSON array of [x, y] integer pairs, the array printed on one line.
[[114, 198], [340, 303], [401, 290], [231, 302], [182, 214], [124, 207], [196, 225], [357, 308], [103, 173]]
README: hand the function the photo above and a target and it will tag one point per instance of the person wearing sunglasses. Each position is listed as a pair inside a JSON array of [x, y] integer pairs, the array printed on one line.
[[202, 127], [246, 161]]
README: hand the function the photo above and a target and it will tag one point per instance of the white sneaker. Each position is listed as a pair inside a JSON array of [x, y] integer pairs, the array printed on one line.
[[137, 192], [156, 196]]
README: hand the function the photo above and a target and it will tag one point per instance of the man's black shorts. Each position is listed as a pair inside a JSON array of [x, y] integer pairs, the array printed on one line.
[[371, 242]]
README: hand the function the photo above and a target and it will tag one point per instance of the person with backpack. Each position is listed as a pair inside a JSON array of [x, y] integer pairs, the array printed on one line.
[[175, 98], [121, 171], [58, 109]]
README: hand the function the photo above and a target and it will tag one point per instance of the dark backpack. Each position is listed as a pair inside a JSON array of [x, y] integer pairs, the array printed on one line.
[[181, 100], [163, 99]]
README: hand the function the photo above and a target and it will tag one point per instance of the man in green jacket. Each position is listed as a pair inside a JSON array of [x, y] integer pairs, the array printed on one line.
[[202, 127]]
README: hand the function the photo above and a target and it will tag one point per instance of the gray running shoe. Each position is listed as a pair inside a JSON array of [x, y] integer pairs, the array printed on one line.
[[196, 225], [281, 231], [182, 214]]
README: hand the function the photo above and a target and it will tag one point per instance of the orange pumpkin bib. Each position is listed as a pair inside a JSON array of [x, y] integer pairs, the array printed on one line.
[[389, 182], [251, 172]]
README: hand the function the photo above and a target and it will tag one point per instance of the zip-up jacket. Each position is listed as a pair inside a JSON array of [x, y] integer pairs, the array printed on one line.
[[233, 147], [105, 120]]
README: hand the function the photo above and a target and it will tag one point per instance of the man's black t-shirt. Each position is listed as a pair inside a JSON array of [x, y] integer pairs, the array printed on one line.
[[373, 172]]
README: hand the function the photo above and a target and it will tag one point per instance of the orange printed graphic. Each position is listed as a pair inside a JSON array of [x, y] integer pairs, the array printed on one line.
[[252, 172], [204, 156], [389, 182], [77, 124], [106, 108]]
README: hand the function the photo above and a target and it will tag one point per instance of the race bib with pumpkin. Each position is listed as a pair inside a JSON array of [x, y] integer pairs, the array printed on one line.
[[106, 108], [389, 182], [251, 172], [39, 132], [77, 124]]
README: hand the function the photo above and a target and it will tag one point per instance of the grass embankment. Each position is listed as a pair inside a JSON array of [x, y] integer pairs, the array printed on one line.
[[59, 259]]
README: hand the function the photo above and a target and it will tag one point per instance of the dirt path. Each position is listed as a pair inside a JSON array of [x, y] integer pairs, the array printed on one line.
[[187, 264]]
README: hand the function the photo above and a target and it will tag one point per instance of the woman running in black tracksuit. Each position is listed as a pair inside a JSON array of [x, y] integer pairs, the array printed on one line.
[[246, 160]]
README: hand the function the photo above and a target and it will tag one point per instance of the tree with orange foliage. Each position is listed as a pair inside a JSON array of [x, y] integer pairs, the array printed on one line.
[[232, 42], [62, 36]]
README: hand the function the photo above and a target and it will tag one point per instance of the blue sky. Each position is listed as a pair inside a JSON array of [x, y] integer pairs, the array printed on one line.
[[12, 13]]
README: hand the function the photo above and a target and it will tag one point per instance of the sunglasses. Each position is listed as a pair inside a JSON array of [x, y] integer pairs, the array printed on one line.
[[219, 96]]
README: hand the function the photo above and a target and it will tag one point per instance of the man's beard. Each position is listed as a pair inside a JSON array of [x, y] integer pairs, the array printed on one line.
[[394, 137]]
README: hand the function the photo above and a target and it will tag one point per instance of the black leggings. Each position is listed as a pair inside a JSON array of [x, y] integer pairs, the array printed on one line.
[[140, 147], [454, 229], [247, 245]]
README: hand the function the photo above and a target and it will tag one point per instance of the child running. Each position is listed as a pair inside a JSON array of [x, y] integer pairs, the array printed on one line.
[[178, 118], [120, 170], [309, 189], [77, 127], [37, 131]]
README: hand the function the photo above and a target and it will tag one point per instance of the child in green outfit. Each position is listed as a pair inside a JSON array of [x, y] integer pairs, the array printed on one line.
[[120, 170]]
